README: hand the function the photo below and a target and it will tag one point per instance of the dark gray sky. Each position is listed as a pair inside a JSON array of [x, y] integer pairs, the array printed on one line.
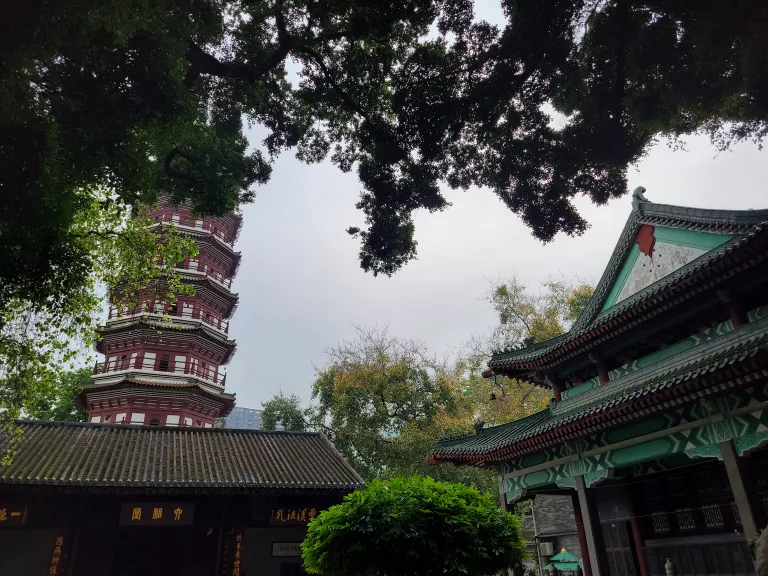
[[302, 290]]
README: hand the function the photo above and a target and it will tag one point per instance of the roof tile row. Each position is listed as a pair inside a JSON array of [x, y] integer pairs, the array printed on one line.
[[119, 456]]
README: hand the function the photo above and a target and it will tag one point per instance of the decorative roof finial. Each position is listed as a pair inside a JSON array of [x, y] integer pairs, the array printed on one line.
[[638, 196]]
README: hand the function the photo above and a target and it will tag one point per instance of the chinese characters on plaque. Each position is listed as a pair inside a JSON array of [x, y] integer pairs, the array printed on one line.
[[157, 514], [12, 515], [238, 556], [58, 555], [286, 548], [292, 515]]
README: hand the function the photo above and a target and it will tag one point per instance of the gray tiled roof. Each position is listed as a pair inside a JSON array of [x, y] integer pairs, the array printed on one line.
[[123, 456]]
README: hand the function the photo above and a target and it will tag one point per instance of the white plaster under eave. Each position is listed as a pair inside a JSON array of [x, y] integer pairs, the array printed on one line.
[[666, 259]]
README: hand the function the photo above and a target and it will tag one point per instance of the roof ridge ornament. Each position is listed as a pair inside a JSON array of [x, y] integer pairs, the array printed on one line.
[[638, 195]]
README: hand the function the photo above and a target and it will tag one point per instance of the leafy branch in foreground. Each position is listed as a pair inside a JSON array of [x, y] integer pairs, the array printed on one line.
[[149, 97]]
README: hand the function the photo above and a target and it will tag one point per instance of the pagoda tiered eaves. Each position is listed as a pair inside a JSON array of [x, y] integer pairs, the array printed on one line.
[[163, 361]]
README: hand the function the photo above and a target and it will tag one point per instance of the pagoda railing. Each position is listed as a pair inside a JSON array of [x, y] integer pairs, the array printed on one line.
[[215, 322], [171, 367], [196, 224], [217, 277]]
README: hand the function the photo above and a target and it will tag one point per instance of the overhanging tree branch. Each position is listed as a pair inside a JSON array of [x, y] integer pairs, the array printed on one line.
[[192, 160]]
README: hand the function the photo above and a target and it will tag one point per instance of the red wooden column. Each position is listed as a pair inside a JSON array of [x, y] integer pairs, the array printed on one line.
[[582, 535], [637, 537], [602, 373]]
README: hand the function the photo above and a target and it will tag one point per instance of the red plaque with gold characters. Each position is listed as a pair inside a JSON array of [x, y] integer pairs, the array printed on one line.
[[157, 514]]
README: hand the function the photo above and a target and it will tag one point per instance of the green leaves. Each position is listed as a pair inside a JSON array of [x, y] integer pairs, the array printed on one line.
[[413, 526], [119, 251], [524, 315], [142, 97], [283, 410], [58, 403]]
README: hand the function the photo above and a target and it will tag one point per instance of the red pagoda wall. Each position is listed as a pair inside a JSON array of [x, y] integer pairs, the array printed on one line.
[[163, 362]]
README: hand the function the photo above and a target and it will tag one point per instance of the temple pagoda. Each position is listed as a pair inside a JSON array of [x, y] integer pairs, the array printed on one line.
[[163, 363], [658, 423]]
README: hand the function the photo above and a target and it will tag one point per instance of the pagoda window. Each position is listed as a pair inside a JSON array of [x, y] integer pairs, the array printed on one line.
[[123, 362], [188, 310], [137, 418], [199, 224], [120, 418], [175, 218], [132, 363], [164, 362], [187, 421], [107, 418], [111, 363], [172, 420], [173, 309], [179, 363], [207, 425], [154, 420], [159, 308], [149, 360], [193, 263], [96, 419]]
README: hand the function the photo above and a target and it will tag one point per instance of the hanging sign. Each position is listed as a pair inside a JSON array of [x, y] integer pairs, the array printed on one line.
[[157, 514], [292, 516]]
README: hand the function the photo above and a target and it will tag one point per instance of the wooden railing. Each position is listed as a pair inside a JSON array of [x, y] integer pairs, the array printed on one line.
[[218, 323], [216, 276], [206, 373], [193, 223]]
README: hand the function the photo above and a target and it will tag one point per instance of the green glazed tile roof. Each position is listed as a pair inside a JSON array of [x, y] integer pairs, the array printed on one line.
[[749, 226], [564, 556], [711, 356], [123, 456]]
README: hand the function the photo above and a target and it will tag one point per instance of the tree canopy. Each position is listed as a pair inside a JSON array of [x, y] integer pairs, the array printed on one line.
[[58, 403], [384, 401], [413, 527], [284, 410], [552, 102]]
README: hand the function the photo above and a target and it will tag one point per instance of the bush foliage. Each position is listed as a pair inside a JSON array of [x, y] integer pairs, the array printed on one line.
[[413, 526]]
